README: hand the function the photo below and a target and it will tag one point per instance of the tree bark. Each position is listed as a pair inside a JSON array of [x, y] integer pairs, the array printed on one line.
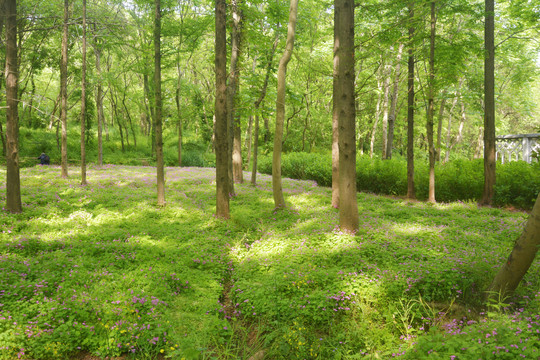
[[520, 259], [335, 137], [13, 181], [2, 66], [63, 90], [249, 134], [410, 109], [158, 103], [439, 127], [257, 104], [449, 129], [235, 164], [179, 114], [376, 121], [489, 105], [431, 107], [277, 189], [222, 158], [386, 86], [83, 98], [345, 103], [99, 98], [393, 105]]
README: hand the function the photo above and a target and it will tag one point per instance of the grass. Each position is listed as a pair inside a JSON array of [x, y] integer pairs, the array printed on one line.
[[102, 270]]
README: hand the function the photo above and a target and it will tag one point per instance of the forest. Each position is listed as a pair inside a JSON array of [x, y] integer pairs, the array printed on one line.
[[269, 179]]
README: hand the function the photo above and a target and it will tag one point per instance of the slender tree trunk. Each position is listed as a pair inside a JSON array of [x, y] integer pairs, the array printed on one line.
[[99, 101], [63, 90], [386, 85], [2, 66], [266, 123], [279, 201], [520, 259], [439, 127], [222, 158], [376, 121], [234, 118], [115, 115], [346, 111], [449, 129], [431, 107], [249, 134], [13, 182], [83, 99], [256, 104], [237, 151], [127, 133], [2, 134], [411, 194], [335, 135], [393, 105], [179, 114], [150, 110], [255, 150], [489, 105], [158, 111], [126, 109]]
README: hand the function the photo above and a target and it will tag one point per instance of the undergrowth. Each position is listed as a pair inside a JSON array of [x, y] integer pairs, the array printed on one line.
[[102, 270]]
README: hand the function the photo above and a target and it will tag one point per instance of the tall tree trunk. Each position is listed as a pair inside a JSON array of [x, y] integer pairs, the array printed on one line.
[[520, 259], [235, 143], [126, 109], [158, 110], [431, 107], [449, 144], [249, 134], [386, 85], [376, 121], [222, 158], [114, 106], [179, 113], [439, 127], [255, 150], [411, 194], [237, 151], [393, 105], [83, 98], [99, 98], [257, 104], [150, 111], [63, 90], [346, 112], [3, 67], [489, 104], [2, 134], [335, 135], [13, 181], [277, 189]]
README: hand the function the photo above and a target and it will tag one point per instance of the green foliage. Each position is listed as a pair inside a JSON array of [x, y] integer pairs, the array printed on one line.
[[101, 270], [306, 166], [517, 185]]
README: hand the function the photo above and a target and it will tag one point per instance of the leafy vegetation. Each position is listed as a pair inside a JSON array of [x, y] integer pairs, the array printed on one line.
[[102, 270], [517, 185]]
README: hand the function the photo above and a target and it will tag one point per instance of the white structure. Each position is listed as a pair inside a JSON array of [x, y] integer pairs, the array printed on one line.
[[524, 147]]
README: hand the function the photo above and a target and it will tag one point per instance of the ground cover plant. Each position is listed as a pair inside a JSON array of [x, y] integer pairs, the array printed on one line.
[[102, 271]]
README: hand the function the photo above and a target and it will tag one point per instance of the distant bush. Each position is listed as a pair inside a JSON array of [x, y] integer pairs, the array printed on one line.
[[306, 166], [518, 183]]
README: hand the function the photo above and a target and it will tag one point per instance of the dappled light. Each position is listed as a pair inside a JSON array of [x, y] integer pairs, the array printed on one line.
[[131, 277]]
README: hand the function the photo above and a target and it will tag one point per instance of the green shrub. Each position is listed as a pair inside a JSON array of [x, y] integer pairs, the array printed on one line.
[[517, 184]]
